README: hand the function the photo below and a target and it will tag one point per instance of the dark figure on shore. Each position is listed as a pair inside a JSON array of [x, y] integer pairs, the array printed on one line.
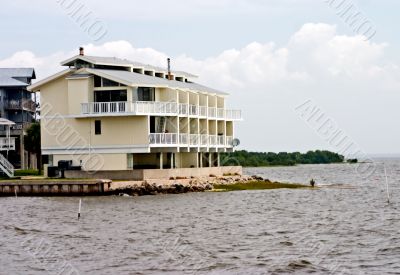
[[312, 182]]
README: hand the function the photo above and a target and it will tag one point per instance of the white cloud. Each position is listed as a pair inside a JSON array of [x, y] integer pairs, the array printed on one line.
[[315, 51], [270, 80], [322, 50]]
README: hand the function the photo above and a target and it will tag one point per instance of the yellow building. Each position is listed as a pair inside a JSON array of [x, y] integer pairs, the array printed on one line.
[[113, 114]]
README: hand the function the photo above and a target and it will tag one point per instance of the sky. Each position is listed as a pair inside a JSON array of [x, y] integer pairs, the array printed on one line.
[[278, 59]]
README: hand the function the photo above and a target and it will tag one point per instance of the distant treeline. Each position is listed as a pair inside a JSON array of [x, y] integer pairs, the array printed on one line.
[[255, 159]]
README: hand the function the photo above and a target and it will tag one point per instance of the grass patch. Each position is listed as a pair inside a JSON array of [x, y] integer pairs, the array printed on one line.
[[257, 185], [31, 172]]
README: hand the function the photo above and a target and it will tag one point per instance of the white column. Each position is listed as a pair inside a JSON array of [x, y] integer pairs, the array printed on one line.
[[22, 150], [201, 160], [210, 159], [172, 160], [8, 138], [161, 160]]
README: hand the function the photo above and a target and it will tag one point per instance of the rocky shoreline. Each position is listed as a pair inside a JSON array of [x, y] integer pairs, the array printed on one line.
[[177, 186]]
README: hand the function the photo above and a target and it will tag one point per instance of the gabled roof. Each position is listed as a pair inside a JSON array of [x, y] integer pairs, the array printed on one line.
[[136, 79], [36, 86], [9, 76], [97, 60], [114, 61]]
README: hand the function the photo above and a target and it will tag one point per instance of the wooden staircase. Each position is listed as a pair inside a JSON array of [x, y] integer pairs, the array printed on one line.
[[6, 167]]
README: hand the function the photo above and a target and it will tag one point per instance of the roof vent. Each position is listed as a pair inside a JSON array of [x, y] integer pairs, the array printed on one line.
[[81, 51]]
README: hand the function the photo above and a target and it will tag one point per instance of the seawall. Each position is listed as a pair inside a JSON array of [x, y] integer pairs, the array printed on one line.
[[60, 187], [101, 187]]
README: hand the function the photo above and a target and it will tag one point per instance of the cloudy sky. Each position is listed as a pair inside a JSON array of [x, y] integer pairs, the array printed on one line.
[[270, 55]]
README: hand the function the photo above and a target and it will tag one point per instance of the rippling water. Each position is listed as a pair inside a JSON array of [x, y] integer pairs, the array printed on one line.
[[344, 227]]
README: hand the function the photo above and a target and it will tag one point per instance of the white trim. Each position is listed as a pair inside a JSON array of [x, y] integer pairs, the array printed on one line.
[[111, 149], [59, 117], [112, 88], [99, 115], [166, 86], [37, 85], [78, 77], [89, 60]]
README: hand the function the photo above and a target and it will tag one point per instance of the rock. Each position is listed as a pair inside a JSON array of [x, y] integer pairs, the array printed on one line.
[[178, 187]]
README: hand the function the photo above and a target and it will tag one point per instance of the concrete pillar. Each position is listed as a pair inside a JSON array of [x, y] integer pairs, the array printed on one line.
[[197, 160], [161, 160], [210, 159], [172, 160], [22, 150], [178, 160], [201, 160]]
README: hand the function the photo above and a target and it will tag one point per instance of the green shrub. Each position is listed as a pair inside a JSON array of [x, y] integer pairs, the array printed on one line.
[[21, 173]]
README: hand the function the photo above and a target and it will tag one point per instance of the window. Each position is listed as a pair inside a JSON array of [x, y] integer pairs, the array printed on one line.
[[102, 96], [104, 82], [146, 94], [118, 96], [109, 83], [110, 96], [97, 81], [97, 127]]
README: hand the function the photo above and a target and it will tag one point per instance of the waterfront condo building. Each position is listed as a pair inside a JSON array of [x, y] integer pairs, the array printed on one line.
[[112, 114], [17, 113]]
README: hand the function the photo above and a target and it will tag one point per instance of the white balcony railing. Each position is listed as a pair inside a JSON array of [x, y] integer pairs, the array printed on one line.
[[229, 141], [220, 113], [151, 107], [7, 144], [158, 108], [168, 139], [183, 139], [193, 110], [212, 112], [233, 114], [163, 139], [212, 140], [203, 111], [105, 107], [220, 140], [203, 140], [194, 139], [183, 109]]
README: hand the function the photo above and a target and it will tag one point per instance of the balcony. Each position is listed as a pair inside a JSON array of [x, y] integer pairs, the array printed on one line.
[[7, 144], [157, 108], [17, 129], [164, 139], [194, 140], [189, 140], [21, 126], [26, 105]]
